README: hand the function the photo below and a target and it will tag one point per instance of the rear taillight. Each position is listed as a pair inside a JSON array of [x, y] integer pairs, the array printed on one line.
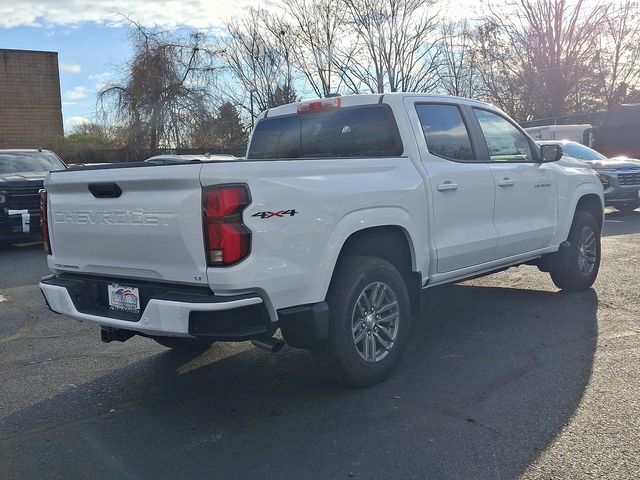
[[227, 239], [44, 222]]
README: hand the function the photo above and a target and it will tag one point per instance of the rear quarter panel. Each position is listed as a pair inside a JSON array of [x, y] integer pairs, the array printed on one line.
[[293, 256]]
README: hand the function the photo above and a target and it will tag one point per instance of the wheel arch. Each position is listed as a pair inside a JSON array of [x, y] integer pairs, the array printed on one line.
[[586, 197], [591, 203], [392, 243]]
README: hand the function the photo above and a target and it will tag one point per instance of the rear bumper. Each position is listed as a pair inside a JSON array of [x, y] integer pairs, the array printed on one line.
[[165, 311]]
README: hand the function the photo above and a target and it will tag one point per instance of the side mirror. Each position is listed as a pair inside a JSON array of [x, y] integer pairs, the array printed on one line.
[[550, 153]]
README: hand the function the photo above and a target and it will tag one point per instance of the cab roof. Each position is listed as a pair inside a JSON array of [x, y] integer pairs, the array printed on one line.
[[393, 98]]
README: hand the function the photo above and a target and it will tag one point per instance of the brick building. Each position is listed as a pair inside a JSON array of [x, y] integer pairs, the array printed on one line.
[[30, 104]]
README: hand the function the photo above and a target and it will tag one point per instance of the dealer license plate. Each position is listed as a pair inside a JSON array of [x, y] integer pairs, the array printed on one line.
[[124, 298]]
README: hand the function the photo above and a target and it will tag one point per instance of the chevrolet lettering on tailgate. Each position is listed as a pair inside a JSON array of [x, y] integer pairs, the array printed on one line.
[[113, 217]]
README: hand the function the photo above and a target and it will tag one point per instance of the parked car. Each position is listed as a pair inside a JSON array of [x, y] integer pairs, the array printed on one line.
[[620, 176], [22, 173], [344, 209]]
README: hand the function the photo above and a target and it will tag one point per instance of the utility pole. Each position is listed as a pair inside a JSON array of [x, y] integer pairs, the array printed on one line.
[[251, 107]]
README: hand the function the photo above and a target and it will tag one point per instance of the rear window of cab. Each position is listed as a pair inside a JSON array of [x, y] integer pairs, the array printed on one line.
[[360, 131]]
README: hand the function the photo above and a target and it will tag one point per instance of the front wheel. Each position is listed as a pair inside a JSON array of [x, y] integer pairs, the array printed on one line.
[[370, 321], [579, 263]]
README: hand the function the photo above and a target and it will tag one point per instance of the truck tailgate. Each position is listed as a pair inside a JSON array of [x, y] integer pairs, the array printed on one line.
[[151, 230]]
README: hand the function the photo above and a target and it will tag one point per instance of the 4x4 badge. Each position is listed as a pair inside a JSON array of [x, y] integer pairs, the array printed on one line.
[[280, 213]]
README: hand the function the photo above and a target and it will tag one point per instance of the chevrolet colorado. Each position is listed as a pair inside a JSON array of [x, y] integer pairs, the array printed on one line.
[[343, 210]]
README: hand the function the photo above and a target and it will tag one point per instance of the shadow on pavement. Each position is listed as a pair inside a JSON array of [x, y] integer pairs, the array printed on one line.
[[22, 264], [618, 223], [486, 384], [17, 246]]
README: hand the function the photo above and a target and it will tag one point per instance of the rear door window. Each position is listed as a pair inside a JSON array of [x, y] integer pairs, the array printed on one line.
[[445, 132], [278, 137], [362, 131]]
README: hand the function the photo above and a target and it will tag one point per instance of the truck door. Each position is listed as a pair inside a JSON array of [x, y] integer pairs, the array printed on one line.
[[525, 214], [461, 196]]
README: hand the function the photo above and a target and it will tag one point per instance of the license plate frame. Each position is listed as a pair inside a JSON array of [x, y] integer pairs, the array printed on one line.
[[123, 298]]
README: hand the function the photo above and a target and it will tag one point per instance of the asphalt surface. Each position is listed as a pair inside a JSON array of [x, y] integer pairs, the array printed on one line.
[[505, 377]]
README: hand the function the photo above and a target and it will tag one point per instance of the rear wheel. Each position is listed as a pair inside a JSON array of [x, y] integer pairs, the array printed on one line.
[[183, 344], [369, 324], [579, 263], [627, 207]]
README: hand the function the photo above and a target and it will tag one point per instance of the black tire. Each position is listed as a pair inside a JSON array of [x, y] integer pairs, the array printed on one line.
[[183, 344], [339, 357], [626, 207], [567, 273]]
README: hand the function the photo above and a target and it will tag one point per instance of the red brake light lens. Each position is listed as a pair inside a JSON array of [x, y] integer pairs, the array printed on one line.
[[224, 201], [227, 239], [319, 105], [44, 222]]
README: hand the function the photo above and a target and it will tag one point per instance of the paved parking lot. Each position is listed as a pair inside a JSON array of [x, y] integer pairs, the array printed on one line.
[[505, 377]]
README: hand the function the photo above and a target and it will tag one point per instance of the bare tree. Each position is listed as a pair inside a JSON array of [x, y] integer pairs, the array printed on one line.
[[166, 86], [458, 70], [396, 47], [551, 46], [533, 58], [502, 80], [258, 55], [618, 54], [317, 28]]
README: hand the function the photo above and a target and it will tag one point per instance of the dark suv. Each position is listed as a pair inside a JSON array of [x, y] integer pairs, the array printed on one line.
[[22, 173]]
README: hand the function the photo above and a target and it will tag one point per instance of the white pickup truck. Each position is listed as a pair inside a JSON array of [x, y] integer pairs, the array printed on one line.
[[343, 210]]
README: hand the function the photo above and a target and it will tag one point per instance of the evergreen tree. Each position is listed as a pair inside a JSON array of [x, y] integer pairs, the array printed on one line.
[[230, 131], [282, 95]]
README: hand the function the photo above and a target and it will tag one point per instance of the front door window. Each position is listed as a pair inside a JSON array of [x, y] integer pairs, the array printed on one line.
[[505, 142]]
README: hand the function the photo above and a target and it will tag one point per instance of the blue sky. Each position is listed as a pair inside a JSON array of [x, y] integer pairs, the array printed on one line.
[[88, 55], [90, 44]]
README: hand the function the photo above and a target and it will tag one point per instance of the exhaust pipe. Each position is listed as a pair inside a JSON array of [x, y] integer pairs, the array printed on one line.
[[269, 344]]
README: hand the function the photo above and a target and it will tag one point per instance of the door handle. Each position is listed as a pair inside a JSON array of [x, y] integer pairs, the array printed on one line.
[[506, 182], [443, 187], [105, 190]]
